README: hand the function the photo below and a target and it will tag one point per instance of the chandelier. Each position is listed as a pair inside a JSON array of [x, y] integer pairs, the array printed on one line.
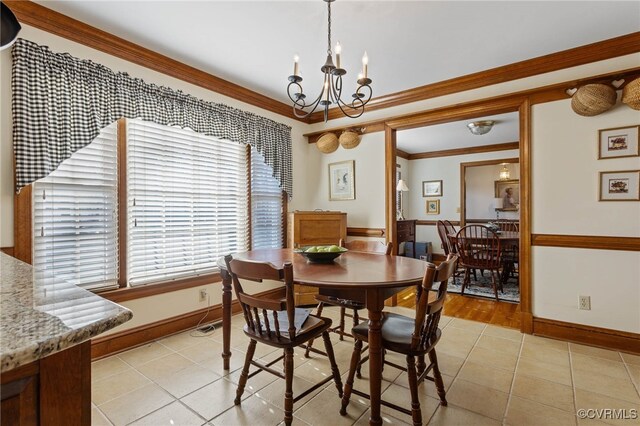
[[331, 92]]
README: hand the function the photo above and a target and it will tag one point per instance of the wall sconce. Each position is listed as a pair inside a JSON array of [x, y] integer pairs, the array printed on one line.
[[504, 173]]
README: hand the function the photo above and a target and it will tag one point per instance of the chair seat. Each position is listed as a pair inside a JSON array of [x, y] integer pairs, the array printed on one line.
[[312, 328], [396, 332]]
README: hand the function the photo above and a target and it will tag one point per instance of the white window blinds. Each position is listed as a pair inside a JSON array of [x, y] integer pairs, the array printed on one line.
[[187, 202], [75, 216], [266, 205]]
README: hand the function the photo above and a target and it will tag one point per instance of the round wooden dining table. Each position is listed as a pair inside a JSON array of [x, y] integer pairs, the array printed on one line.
[[378, 277]]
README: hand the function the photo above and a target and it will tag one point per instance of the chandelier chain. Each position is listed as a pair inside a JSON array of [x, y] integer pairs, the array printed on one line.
[[329, 31]]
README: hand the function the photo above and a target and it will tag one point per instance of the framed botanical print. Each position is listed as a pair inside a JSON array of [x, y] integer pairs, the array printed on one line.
[[618, 142], [432, 188], [620, 186], [433, 206], [342, 181]]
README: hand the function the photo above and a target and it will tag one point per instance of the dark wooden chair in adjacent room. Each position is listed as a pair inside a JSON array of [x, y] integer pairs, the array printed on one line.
[[479, 248], [272, 322], [412, 337], [347, 300], [445, 229]]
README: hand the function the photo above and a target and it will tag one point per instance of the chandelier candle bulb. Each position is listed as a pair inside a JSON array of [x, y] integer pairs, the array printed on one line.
[[365, 64], [338, 52], [296, 58]]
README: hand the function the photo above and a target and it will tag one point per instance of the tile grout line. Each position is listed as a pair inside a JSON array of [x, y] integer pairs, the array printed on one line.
[[633, 381], [573, 385], [455, 378], [513, 381]]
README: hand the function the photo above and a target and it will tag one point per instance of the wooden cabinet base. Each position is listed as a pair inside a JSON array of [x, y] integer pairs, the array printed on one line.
[[55, 390]]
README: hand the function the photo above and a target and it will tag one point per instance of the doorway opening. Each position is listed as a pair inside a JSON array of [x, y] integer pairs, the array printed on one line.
[[452, 174]]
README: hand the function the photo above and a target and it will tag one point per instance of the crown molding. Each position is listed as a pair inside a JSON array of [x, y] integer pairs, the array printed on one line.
[[594, 52], [464, 151]]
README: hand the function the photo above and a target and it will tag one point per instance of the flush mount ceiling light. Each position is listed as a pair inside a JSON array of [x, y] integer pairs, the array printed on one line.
[[331, 92], [481, 127]]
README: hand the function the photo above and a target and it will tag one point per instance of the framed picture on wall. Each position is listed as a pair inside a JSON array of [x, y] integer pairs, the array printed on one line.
[[432, 188], [342, 181], [620, 186], [509, 191], [433, 206], [618, 142]]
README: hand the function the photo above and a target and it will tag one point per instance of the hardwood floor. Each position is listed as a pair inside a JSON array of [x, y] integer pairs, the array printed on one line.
[[504, 314]]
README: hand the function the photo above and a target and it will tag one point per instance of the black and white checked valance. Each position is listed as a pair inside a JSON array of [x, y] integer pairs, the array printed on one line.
[[60, 104]]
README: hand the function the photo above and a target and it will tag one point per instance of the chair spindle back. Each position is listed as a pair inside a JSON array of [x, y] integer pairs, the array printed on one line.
[[428, 313], [478, 247], [508, 225], [256, 310]]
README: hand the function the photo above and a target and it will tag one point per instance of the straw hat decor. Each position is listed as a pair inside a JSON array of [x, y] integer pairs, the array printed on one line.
[[593, 99], [329, 142], [631, 94], [349, 139]]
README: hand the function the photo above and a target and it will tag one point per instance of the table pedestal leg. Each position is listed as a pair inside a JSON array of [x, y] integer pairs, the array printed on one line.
[[226, 318], [375, 305]]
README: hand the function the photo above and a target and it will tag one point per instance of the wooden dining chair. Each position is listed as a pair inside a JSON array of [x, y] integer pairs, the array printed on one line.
[[511, 251], [445, 229], [272, 322], [347, 299], [479, 248], [508, 225], [412, 337]]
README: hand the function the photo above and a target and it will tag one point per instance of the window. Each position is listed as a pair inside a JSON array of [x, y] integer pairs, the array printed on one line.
[[187, 196], [75, 216], [266, 205], [187, 202]]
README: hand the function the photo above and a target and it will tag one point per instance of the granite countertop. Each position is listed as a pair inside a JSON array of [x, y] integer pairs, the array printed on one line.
[[39, 320]]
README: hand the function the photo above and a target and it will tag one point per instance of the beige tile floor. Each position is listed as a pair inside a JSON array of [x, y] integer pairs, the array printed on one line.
[[492, 375]]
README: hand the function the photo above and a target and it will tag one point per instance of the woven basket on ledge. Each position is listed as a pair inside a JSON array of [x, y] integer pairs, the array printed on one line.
[[327, 143], [593, 99], [631, 94]]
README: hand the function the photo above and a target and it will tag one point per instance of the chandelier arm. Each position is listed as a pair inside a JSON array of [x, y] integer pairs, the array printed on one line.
[[295, 100], [336, 87], [315, 104], [359, 98]]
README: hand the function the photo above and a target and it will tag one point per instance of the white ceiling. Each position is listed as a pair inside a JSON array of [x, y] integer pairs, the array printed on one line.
[[410, 43], [456, 135]]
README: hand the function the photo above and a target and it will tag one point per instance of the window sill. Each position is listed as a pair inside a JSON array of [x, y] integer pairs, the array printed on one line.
[[131, 293]]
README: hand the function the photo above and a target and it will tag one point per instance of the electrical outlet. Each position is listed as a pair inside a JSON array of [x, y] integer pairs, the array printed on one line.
[[584, 302], [203, 294], [457, 209]]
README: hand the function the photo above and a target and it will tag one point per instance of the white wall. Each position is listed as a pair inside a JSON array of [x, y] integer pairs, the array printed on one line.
[[480, 189], [565, 201], [446, 169], [166, 305], [368, 208]]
